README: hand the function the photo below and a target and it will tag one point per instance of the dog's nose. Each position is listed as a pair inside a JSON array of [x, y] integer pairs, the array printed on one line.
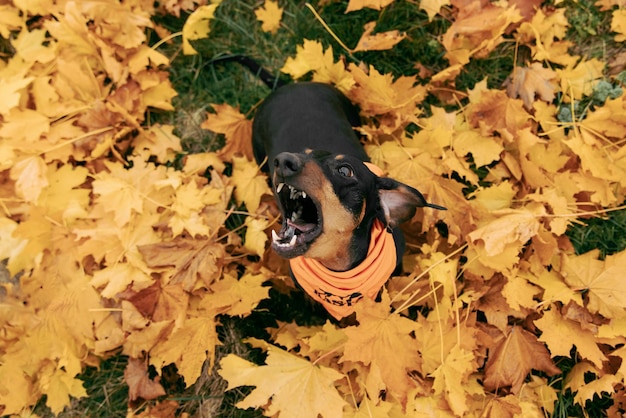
[[287, 164]]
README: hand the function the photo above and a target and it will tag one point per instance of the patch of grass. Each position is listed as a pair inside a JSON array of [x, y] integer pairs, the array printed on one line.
[[608, 234]]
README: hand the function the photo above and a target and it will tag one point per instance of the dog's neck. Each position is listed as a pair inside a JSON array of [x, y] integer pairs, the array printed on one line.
[[355, 253]]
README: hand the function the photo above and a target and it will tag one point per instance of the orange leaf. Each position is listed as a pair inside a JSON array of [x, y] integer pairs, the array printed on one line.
[[236, 128], [531, 82], [194, 263], [379, 41], [513, 357], [139, 383]]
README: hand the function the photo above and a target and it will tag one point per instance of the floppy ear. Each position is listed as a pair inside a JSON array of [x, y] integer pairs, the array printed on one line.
[[399, 201]]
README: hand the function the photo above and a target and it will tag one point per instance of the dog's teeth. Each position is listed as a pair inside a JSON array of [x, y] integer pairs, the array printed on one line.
[[279, 187], [293, 241], [275, 237], [303, 194]]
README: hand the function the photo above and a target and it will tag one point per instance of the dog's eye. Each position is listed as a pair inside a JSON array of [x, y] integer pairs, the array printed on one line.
[[345, 171]]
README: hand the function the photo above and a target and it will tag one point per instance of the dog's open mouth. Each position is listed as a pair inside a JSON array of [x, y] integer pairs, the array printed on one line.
[[302, 222]]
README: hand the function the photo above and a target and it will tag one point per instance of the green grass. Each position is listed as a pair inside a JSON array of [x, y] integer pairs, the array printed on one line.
[[199, 84]]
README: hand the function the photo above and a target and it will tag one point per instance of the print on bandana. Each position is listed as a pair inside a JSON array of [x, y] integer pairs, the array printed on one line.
[[338, 291]]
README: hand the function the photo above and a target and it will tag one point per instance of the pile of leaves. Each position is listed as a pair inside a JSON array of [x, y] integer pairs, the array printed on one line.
[[114, 243]]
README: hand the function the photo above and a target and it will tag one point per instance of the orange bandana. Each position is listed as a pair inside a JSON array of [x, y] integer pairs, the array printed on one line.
[[338, 291]]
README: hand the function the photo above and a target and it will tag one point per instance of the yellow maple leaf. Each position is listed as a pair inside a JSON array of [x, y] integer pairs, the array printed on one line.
[[378, 93], [35, 46], [236, 297], [379, 41], [63, 198], [484, 149], [59, 385], [256, 237], [618, 25], [270, 15], [250, 183], [30, 177], [115, 279], [384, 341], [160, 141], [293, 387], [547, 29], [561, 334], [601, 279], [197, 26], [123, 191], [451, 377], [354, 5], [10, 20], [478, 32], [555, 289], [24, 124], [140, 341], [577, 381], [432, 7], [194, 263], [579, 80], [188, 346], [513, 227], [312, 57]]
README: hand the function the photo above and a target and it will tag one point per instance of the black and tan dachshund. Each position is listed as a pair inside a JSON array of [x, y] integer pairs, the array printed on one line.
[[339, 215]]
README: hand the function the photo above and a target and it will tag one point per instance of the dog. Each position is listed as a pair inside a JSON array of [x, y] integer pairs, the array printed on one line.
[[340, 215]]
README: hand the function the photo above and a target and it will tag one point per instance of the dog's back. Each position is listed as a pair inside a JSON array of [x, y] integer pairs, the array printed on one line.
[[304, 116]]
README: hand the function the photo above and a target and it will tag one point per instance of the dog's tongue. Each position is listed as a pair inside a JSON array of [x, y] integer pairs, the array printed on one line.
[[300, 226]]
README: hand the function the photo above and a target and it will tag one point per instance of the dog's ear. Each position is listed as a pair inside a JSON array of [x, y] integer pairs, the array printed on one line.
[[399, 201]]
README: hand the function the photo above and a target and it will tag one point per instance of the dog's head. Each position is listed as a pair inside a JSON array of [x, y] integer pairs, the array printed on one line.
[[327, 199]]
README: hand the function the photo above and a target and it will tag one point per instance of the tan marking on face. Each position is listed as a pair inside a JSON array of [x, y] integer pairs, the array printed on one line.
[[340, 157], [332, 247], [308, 151]]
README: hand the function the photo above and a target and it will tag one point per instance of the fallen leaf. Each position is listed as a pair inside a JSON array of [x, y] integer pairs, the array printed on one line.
[[379, 41], [270, 15], [529, 354], [432, 7], [560, 335], [383, 340], [236, 128], [601, 279], [139, 383], [354, 5], [256, 238], [192, 262], [237, 297], [530, 83], [197, 26], [250, 183], [293, 387], [188, 346], [450, 378]]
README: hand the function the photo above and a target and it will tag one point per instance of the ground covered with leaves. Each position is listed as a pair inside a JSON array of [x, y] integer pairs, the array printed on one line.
[[134, 223]]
